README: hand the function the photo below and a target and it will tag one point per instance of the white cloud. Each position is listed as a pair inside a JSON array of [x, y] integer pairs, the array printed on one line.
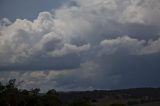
[[52, 34], [122, 44], [70, 49], [25, 38], [125, 11], [4, 22], [142, 11], [129, 45], [69, 22], [152, 47]]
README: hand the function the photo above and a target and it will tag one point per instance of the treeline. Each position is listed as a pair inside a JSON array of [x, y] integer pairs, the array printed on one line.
[[10, 95]]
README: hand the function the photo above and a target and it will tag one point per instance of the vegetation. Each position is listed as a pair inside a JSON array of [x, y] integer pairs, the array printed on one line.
[[10, 95]]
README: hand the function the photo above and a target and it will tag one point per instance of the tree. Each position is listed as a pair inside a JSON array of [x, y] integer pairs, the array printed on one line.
[[1, 87], [52, 92], [35, 91], [11, 83]]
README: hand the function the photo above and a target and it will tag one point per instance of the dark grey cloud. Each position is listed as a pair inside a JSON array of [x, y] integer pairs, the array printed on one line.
[[134, 71], [44, 63]]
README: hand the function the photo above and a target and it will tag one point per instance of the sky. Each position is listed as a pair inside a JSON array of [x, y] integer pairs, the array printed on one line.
[[26, 9], [80, 44]]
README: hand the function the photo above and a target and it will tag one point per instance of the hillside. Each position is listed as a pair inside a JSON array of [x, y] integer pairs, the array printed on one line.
[[131, 97]]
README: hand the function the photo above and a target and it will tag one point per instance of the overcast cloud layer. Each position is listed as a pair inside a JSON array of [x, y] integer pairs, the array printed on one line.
[[85, 44]]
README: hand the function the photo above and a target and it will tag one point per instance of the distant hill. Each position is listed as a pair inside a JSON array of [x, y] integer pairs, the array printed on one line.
[[149, 104], [133, 96]]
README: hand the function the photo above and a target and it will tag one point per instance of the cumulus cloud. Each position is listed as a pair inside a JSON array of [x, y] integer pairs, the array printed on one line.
[[4, 22], [25, 39], [68, 49], [131, 11], [54, 32], [83, 40], [130, 46], [142, 11]]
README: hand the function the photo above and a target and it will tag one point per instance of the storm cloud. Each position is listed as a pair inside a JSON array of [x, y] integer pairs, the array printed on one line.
[[85, 44]]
